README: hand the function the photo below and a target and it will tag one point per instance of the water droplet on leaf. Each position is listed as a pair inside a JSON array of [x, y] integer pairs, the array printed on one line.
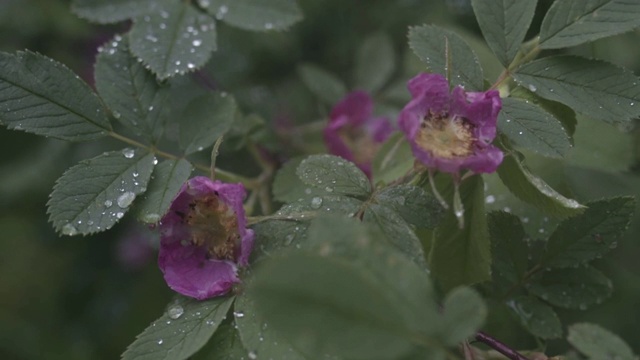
[[316, 202], [126, 199], [128, 153], [69, 230], [175, 311]]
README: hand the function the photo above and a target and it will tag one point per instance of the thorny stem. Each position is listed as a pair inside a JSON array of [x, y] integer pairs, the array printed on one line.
[[499, 346], [221, 174]]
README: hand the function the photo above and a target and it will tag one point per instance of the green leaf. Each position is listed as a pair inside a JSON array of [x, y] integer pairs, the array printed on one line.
[[132, 94], [591, 87], [205, 119], [167, 179], [43, 97], [569, 23], [504, 25], [177, 337], [413, 204], [326, 86], [462, 256], [112, 11], [397, 231], [93, 195], [258, 336], [257, 15], [561, 112], [509, 249], [578, 288], [598, 343], [174, 38], [375, 62], [287, 186], [538, 318], [225, 344], [377, 297], [447, 54], [533, 190], [334, 174], [464, 313], [274, 236], [591, 234], [393, 160], [612, 150], [530, 127]]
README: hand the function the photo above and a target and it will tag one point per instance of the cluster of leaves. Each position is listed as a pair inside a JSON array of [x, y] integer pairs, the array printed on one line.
[[345, 269]]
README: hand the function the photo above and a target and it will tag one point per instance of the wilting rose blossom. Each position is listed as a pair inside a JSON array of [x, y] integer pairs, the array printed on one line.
[[451, 130], [203, 238], [353, 133]]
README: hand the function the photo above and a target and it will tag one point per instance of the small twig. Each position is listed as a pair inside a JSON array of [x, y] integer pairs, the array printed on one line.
[[499, 346]]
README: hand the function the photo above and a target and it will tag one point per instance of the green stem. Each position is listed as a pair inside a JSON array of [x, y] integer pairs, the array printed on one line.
[[221, 174], [531, 50]]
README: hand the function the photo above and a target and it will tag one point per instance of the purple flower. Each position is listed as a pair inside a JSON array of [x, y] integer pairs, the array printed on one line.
[[135, 248], [353, 133], [203, 238], [450, 131]]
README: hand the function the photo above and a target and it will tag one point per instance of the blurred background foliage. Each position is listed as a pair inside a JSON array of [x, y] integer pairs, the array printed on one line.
[[87, 297]]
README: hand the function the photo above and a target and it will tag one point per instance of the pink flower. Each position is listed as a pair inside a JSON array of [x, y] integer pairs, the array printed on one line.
[[353, 133], [203, 238], [450, 131]]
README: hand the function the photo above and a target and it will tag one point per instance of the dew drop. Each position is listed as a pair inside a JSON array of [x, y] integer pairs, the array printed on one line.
[[222, 11], [328, 189], [238, 314], [108, 203], [135, 174], [191, 65], [116, 114], [155, 161], [268, 26], [128, 153], [316, 202], [69, 230], [175, 311], [210, 322], [126, 199], [197, 42], [532, 88], [490, 199], [151, 218], [160, 342], [252, 355], [119, 215], [307, 191], [288, 239]]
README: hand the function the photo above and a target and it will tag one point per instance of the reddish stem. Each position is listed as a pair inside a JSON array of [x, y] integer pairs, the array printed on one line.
[[498, 346]]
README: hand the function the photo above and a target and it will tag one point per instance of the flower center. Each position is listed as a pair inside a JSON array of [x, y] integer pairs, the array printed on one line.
[[362, 146], [215, 226], [446, 137]]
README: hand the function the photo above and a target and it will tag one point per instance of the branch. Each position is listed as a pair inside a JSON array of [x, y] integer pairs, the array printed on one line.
[[498, 346]]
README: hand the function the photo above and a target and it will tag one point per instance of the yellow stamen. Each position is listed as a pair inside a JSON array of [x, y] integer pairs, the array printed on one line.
[[213, 225], [446, 137]]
